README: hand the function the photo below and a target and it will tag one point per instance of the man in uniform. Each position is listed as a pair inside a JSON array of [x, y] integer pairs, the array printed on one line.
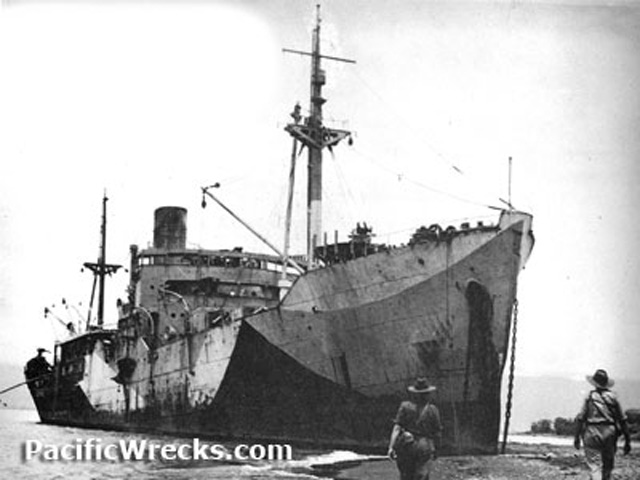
[[416, 433], [599, 423], [38, 365]]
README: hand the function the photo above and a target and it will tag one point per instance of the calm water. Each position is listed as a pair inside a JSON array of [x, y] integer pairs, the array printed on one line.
[[19, 426]]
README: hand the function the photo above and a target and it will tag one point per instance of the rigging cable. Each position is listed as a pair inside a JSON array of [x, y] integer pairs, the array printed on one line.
[[417, 134], [409, 126], [345, 187], [402, 176]]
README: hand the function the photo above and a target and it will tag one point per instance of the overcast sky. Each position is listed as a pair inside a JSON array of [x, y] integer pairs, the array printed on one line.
[[151, 100]]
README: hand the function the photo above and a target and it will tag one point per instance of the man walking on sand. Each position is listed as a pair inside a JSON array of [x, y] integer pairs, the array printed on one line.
[[416, 433], [599, 424]]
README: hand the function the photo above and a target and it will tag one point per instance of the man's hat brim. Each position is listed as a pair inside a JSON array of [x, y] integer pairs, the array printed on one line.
[[428, 389], [592, 381]]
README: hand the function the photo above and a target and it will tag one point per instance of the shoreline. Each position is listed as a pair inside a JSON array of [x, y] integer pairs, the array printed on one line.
[[521, 461], [527, 457]]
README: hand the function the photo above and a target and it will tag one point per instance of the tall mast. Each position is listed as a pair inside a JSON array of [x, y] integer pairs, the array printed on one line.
[[314, 168], [102, 261], [315, 136], [101, 269]]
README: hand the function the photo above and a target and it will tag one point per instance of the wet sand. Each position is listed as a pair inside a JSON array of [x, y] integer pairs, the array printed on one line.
[[520, 462]]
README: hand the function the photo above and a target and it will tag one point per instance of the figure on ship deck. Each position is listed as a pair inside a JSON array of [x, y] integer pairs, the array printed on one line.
[[38, 365]]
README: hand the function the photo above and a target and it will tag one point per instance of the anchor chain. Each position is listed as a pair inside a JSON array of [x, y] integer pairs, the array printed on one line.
[[512, 368]]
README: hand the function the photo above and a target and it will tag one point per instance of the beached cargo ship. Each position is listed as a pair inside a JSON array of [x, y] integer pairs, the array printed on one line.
[[314, 349]]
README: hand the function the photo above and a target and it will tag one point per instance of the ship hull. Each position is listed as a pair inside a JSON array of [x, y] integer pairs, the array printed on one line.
[[265, 395], [329, 365], [442, 311]]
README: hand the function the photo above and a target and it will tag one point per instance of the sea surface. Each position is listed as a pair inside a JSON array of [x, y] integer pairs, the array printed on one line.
[[20, 426]]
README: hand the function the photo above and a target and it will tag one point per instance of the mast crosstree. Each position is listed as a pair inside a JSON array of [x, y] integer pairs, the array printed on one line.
[[101, 269], [316, 137]]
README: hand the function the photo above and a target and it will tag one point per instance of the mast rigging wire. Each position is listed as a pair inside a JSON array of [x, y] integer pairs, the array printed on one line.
[[409, 126], [417, 134], [344, 186], [403, 177]]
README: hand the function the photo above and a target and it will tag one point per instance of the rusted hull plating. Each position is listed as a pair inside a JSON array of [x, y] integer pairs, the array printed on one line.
[[330, 364]]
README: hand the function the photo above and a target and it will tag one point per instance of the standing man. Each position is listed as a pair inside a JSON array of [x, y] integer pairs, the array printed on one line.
[[599, 424], [38, 365], [416, 433]]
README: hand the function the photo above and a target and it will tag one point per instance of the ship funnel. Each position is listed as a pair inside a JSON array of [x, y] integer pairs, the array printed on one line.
[[170, 228]]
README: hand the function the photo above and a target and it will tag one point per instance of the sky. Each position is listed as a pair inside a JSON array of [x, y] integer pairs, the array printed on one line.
[[149, 101]]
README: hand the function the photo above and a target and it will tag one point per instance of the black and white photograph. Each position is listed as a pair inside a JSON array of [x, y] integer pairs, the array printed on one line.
[[319, 239]]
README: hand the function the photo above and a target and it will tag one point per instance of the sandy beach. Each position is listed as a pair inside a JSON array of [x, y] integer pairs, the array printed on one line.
[[520, 462]]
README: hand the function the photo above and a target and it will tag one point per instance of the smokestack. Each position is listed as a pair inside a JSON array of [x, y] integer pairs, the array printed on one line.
[[170, 228]]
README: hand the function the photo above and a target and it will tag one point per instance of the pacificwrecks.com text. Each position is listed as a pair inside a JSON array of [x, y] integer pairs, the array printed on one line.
[[93, 449]]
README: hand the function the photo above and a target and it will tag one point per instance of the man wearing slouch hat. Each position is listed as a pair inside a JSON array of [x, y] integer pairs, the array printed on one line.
[[599, 424], [416, 433]]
